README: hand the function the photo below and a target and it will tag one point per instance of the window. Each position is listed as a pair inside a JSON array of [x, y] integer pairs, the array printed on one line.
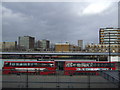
[[35, 64], [31, 64], [17, 64], [78, 65], [45, 64], [13, 64], [97, 65], [21, 64], [7, 64], [28, 64], [111, 64], [51, 65], [25, 64], [69, 65], [74, 65]]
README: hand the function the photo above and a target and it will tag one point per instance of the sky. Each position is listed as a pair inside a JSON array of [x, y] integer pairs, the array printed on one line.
[[58, 21]]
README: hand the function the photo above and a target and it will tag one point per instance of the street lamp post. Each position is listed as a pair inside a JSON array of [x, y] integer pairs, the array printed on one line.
[[27, 80], [109, 49]]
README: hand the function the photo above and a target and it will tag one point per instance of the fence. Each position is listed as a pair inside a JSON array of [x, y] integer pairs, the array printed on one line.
[[58, 80], [112, 76]]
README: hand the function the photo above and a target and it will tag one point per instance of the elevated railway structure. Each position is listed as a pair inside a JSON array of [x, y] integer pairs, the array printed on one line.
[[67, 55]]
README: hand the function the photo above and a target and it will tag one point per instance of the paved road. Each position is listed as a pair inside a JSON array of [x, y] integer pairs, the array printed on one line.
[[61, 81]]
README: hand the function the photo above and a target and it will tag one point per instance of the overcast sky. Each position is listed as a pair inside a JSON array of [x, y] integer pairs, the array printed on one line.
[[58, 21]]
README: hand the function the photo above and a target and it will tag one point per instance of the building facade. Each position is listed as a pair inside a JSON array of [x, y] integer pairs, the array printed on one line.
[[102, 48], [38, 45], [8, 46], [66, 47], [43, 45], [109, 36], [26, 42], [80, 44]]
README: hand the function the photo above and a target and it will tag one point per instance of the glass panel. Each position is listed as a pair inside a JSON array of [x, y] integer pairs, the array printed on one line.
[[24, 64], [78, 65], [69, 65], [13, 64], [17, 64], [94, 64], [28, 64], [7, 64], [35, 64], [21, 64], [51, 65], [31, 64]]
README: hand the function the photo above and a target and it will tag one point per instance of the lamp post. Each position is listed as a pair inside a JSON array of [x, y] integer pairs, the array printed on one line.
[[27, 81], [109, 48]]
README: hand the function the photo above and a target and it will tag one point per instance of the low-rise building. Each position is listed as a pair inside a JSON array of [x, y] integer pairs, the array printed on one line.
[[66, 47], [42, 45], [8, 46], [102, 48]]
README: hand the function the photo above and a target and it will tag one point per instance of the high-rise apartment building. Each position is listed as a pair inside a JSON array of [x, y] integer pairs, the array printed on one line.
[[42, 45], [109, 36], [38, 45], [45, 44], [26, 42], [80, 44]]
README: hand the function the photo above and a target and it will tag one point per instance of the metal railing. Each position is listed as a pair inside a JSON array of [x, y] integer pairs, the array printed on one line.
[[110, 75], [58, 80]]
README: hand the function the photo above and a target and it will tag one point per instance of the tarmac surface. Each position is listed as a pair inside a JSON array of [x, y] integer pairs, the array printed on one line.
[[55, 81]]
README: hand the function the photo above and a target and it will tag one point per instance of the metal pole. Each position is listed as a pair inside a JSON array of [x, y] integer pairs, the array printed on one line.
[[27, 80], [109, 49], [119, 74], [89, 81], [119, 78]]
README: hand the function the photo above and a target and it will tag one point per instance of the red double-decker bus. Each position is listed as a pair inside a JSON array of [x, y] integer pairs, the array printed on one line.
[[37, 67], [87, 67]]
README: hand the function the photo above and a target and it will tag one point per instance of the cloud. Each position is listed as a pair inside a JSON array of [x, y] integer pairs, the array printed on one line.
[[96, 7], [8, 14], [56, 21]]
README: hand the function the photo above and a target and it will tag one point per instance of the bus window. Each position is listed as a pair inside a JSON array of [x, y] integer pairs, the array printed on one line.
[[24, 64], [7, 64], [105, 65], [84, 65], [111, 64], [94, 64], [69, 65], [21, 64], [78, 65], [17, 64], [35, 64], [28, 64], [51, 65], [101, 65], [90, 65], [13, 64], [31, 64], [97, 64], [74, 65]]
